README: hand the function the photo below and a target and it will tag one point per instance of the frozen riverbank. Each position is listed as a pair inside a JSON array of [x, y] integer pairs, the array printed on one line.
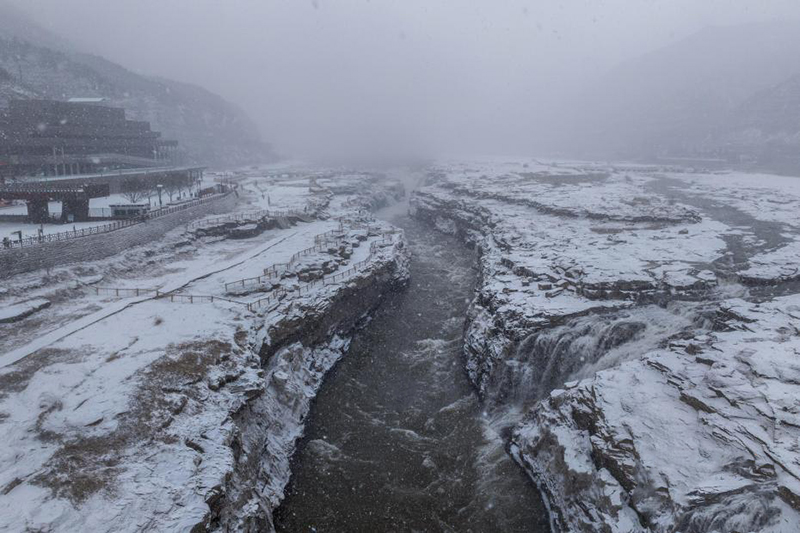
[[156, 398], [609, 314], [397, 439]]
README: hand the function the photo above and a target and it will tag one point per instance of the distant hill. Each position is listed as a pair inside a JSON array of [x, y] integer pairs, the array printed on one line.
[[768, 121], [211, 130], [686, 97]]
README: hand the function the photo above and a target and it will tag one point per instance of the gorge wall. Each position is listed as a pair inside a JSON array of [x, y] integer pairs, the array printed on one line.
[[619, 355], [299, 344]]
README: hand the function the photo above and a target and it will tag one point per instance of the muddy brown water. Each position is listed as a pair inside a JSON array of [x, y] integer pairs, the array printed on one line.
[[397, 439]]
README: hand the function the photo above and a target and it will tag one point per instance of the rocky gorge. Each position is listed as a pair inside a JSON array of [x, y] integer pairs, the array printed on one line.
[[619, 344], [589, 348], [177, 407]]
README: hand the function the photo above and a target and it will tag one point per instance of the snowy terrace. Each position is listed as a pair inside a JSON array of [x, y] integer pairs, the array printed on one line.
[[566, 240], [101, 347], [766, 208], [644, 416], [174, 263]]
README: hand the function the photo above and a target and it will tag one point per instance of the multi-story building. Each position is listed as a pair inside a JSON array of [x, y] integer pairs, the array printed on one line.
[[82, 136], [71, 152]]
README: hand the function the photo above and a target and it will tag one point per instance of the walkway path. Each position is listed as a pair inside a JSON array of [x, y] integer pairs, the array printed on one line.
[[174, 284]]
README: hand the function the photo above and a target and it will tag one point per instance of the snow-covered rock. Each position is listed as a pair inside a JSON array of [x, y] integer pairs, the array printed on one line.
[[299, 343], [18, 311], [644, 388], [128, 410], [687, 439], [542, 263]]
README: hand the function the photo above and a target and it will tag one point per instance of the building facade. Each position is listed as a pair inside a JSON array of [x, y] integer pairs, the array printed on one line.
[[54, 138]]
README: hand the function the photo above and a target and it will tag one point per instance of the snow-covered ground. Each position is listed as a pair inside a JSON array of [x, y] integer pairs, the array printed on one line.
[[637, 328], [121, 413], [635, 331]]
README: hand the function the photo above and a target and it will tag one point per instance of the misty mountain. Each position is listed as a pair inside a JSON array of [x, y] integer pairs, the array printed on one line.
[[684, 98], [766, 126], [37, 64], [15, 24]]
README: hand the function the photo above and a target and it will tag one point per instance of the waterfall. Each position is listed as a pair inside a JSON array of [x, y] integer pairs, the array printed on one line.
[[585, 345]]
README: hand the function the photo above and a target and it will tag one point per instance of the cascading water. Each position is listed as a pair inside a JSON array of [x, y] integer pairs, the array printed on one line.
[[397, 440], [582, 346]]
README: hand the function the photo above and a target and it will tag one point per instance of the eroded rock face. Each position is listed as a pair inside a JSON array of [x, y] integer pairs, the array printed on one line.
[[702, 439], [642, 387], [533, 279], [301, 342]]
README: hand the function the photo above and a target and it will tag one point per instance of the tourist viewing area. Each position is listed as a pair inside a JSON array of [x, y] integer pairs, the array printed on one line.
[[56, 157], [75, 192]]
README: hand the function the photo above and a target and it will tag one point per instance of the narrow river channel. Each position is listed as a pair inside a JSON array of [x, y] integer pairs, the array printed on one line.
[[397, 439]]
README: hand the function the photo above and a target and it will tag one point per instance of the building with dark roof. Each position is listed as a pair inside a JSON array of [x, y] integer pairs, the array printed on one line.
[[71, 152], [53, 138]]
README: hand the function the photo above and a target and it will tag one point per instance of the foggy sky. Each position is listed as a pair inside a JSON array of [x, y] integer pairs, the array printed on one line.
[[320, 76]]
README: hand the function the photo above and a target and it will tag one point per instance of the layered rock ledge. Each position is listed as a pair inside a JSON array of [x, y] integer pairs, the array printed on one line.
[[150, 396], [641, 383]]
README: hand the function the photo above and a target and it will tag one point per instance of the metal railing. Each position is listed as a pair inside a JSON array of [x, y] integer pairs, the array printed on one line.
[[106, 228], [171, 296], [196, 299], [275, 270], [110, 173], [322, 241], [118, 292], [264, 301], [335, 233], [326, 280], [256, 215]]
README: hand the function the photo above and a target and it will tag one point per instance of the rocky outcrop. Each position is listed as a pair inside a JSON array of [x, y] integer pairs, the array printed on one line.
[[640, 392], [700, 436], [300, 342], [520, 294]]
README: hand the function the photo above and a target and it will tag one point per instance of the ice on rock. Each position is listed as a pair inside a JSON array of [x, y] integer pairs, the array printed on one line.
[[657, 392], [136, 413]]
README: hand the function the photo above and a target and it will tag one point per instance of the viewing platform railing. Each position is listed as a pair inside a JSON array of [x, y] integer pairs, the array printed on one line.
[[255, 215], [106, 228], [265, 301]]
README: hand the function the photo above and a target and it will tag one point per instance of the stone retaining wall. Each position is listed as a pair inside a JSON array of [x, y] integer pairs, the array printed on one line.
[[95, 247]]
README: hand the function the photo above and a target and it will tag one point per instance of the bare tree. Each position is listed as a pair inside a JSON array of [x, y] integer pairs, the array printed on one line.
[[185, 184], [133, 189], [172, 185]]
